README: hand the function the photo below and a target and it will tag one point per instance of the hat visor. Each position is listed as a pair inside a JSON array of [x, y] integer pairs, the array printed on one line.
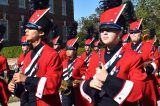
[[70, 48], [87, 44], [110, 26], [32, 26], [24, 43], [134, 31]]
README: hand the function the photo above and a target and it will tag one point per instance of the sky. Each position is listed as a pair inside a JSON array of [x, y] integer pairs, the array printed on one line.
[[83, 8]]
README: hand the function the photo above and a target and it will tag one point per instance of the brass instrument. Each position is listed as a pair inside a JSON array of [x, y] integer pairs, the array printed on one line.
[[76, 83], [66, 87], [145, 37]]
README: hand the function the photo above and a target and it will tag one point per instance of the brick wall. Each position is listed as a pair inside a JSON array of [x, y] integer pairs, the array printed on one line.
[[14, 13]]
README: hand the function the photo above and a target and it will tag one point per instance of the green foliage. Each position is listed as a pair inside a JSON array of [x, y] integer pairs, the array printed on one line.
[[149, 10], [80, 51], [84, 23], [11, 52]]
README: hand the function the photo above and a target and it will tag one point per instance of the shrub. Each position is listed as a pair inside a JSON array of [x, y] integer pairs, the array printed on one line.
[[11, 52], [80, 51]]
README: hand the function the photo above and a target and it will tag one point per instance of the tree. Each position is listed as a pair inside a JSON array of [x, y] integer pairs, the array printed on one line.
[[86, 22], [149, 10]]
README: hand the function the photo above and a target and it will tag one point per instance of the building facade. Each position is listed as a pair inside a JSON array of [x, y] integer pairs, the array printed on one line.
[[13, 12]]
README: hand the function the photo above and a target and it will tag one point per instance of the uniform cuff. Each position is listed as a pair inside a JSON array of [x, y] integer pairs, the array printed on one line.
[[31, 84], [117, 88], [87, 92]]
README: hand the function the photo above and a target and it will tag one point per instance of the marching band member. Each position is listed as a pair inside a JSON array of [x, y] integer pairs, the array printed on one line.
[[4, 72], [88, 52], [115, 76], [57, 47], [25, 49], [72, 76], [96, 45], [42, 69], [72, 70], [150, 57]]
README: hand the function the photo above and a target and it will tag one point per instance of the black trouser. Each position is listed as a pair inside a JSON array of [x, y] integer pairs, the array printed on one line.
[[67, 100], [28, 99]]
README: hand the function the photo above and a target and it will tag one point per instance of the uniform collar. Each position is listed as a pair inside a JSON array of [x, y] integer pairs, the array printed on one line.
[[136, 44], [116, 48], [37, 47]]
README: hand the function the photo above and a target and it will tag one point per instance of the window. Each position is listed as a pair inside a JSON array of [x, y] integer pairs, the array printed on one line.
[[51, 5], [5, 23], [64, 29], [21, 32], [64, 8], [21, 3], [4, 2]]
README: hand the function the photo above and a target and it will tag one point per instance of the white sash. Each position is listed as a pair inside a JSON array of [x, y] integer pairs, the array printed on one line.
[[35, 57], [110, 62], [138, 46]]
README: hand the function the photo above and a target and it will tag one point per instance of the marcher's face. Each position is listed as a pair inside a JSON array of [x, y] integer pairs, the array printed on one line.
[[25, 48], [31, 35], [110, 36], [55, 46], [135, 37], [87, 48], [70, 53]]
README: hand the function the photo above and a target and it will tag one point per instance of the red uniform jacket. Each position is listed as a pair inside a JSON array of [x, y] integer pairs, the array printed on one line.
[[4, 92], [149, 53], [62, 54], [77, 68], [46, 82], [123, 86], [21, 59], [74, 71], [3, 64], [84, 55], [151, 41]]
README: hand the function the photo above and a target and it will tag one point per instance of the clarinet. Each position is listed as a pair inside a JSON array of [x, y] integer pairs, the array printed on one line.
[[16, 70], [102, 92]]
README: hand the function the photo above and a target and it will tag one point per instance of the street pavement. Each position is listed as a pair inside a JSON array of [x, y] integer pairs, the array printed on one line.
[[14, 104]]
